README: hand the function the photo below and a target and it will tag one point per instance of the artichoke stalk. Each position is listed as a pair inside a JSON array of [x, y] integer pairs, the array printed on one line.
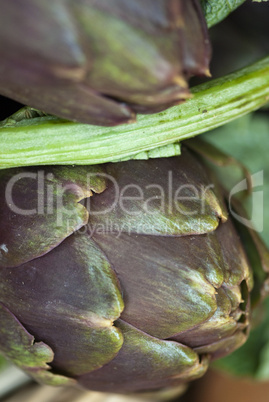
[[120, 277], [100, 62]]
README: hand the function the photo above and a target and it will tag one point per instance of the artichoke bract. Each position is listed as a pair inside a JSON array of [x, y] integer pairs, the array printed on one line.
[[120, 277], [100, 62]]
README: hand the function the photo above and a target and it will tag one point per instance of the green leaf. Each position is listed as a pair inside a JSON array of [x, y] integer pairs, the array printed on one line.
[[50, 140], [216, 10]]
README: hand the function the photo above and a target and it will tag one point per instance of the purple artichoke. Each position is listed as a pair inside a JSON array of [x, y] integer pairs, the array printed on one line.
[[100, 62], [123, 277]]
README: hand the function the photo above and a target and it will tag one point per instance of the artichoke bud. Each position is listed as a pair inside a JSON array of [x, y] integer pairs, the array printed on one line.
[[100, 62], [122, 277]]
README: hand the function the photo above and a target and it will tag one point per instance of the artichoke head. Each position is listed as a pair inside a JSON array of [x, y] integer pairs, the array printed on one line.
[[100, 62], [122, 277]]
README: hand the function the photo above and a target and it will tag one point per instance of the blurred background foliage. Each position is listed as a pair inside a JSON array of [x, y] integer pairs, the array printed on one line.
[[2, 362], [239, 40]]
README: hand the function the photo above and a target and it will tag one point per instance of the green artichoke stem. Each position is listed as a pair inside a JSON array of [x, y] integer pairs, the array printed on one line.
[[49, 140]]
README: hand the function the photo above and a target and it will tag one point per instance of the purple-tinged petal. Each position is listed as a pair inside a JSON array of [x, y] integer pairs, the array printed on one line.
[[236, 264], [167, 282], [196, 45], [83, 72], [220, 325], [225, 346], [68, 298], [40, 208], [168, 196], [145, 362], [18, 345]]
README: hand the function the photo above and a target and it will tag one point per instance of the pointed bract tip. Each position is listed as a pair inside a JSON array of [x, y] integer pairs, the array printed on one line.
[[179, 80]]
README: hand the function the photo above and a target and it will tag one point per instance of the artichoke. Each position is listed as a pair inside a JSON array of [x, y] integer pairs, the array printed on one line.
[[99, 62], [120, 277]]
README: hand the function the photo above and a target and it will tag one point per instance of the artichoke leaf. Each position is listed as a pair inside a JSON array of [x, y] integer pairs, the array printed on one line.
[[141, 58], [232, 297], [165, 363], [75, 291], [59, 75], [175, 292], [146, 198], [237, 268], [225, 346], [19, 346], [220, 326], [40, 208], [201, 270], [19, 48]]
